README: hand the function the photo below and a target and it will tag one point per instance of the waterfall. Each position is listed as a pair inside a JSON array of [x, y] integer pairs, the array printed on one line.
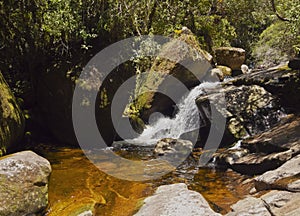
[[186, 119]]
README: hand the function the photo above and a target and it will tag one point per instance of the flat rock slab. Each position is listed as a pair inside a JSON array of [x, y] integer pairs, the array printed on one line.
[[274, 203], [23, 184], [285, 177], [249, 206], [176, 200], [282, 203]]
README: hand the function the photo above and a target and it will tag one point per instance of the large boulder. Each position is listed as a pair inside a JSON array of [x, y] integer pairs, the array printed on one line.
[[248, 110], [230, 56], [12, 121], [280, 81], [23, 184], [176, 200], [177, 58]]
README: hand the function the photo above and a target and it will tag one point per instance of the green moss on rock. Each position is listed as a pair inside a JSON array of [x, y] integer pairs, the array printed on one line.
[[11, 118]]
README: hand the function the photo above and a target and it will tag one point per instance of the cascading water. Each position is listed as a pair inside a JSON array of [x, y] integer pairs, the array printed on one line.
[[186, 120]]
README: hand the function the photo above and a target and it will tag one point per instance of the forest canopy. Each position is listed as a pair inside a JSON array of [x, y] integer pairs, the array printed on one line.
[[36, 32]]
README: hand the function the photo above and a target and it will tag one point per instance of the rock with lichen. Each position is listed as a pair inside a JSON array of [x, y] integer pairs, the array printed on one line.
[[182, 58], [23, 184]]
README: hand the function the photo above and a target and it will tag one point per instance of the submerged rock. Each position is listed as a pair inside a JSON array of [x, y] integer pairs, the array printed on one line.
[[23, 184], [12, 122], [176, 200], [168, 146]]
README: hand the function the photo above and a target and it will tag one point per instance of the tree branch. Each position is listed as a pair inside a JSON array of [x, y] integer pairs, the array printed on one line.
[[276, 12]]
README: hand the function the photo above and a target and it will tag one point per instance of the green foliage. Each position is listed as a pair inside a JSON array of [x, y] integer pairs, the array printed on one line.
[[281, 39], [274, 45], [37, 32]]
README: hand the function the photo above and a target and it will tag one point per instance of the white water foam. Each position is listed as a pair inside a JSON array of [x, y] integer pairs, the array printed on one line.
[[186, 120]]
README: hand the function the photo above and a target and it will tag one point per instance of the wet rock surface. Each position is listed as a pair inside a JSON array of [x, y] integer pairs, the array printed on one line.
[[248, 110], [168, 146], [265, 151], [23, 184]]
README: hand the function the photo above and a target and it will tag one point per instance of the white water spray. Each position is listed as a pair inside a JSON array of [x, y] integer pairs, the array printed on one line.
[[186, 120]]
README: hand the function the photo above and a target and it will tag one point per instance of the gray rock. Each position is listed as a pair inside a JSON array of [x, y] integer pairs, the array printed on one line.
[[249, 206], [12, 121], [274, 203], [176, 200], [254, 164], [285, 177], [23, 184], [282, 203]]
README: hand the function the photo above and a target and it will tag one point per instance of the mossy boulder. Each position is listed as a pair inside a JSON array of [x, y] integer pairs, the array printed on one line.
[[176, 58], [23, 184], [12, 121]]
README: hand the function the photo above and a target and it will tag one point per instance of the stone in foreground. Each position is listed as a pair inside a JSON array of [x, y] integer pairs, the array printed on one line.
[[282, 203], [23, 184], [285, 177], [176, 200], [249, 206]]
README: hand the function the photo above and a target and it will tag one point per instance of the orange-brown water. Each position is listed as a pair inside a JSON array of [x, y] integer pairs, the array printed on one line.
[[76, 185]]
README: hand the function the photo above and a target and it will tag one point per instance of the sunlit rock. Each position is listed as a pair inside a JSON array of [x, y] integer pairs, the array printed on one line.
[[23, 184]]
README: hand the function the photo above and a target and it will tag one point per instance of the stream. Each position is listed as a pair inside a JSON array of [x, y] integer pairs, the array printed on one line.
[[77, 185]]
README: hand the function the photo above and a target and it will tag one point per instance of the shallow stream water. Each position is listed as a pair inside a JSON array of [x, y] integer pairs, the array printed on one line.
[[76, 185]]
